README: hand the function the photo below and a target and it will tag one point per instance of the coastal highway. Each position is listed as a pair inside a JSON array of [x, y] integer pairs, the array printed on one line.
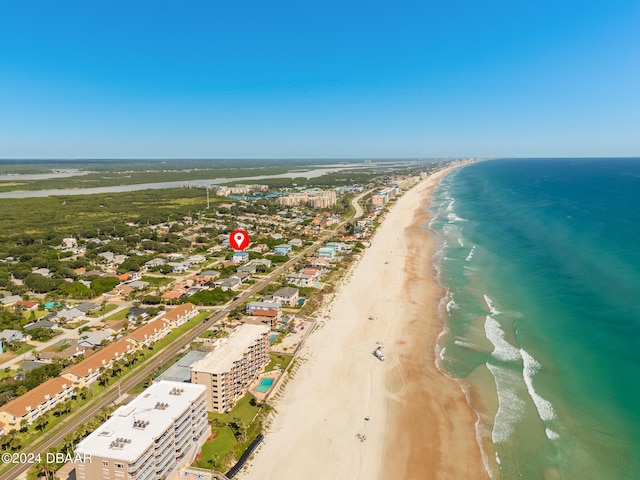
[[110, 395]]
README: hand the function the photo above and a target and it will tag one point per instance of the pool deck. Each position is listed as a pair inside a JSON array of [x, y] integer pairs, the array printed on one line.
[[262, 396]]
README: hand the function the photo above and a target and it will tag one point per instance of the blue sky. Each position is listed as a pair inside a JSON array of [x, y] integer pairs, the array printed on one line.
[[213, 79]]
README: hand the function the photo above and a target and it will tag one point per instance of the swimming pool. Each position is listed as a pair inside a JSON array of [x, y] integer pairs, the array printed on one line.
[[265, 384], [272, 337]]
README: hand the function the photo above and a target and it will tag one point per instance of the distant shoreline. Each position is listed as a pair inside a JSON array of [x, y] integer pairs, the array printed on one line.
[[346, 414]]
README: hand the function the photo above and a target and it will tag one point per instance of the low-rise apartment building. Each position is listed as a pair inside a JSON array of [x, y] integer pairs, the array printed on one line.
[[25, 409]]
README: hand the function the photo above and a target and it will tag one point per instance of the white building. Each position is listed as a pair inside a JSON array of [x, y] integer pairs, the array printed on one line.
[[228, 371], [150, 438]]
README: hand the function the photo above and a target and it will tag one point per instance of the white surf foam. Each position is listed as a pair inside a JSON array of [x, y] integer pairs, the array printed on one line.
[[510, 406], [451, 204], [530, 368], [452, 305], [502, 349], [470, 256], [452, 217], [492, 308], [551, 435], [469, 345]]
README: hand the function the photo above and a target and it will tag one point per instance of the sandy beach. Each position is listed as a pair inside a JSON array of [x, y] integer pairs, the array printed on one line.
[[420, 425]]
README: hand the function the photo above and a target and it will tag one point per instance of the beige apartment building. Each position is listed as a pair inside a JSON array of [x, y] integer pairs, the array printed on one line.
[[228, 371], [153, 436]]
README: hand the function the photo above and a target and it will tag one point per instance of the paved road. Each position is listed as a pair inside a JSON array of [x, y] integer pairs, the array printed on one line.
[[67, 334], [109, 396]]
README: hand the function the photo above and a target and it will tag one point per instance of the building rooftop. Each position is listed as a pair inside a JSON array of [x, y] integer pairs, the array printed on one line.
[[222, 358], [134, 427], [181, 370]]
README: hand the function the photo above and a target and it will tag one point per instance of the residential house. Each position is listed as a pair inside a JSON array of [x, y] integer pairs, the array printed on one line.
[[179, 267], [73, 351], [300, 279], [137, 314], [271, 318], [10, 300], [69, 315], [8, 335], [282, 249], [209, 274], [41, 324], [319, 262], [249, 268], [231, 283], [327, 252], [252, 306], [156, 262], [240, 257], [94, 339], [28, 305], [340, 247], [196, 259], [119, 291], [296, 242], [315, 273], [138, 284], [287, 296], [86, 307], [174, 294]]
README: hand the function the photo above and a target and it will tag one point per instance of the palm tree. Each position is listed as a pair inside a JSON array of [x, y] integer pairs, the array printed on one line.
[[41, 422]]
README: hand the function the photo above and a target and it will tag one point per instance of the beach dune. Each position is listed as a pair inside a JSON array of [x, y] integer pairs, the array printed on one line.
[[348, 415]]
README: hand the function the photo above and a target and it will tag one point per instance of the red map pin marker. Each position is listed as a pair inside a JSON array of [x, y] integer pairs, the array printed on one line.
[[239, 239]]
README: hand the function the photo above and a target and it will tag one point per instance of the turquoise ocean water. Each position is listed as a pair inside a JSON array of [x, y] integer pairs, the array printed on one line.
[[541, 262]]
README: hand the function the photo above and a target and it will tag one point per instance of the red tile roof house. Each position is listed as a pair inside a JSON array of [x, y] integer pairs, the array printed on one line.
[[25, 409], [181, 314], [88, 370], [27, 304], [268, 317], [173, 294]]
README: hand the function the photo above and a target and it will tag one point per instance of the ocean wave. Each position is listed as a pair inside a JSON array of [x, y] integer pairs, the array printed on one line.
[[491, 306], [452, 305], [510, 405], [470, 256], [551, 435], [451, 204], [530, 368], [452, 217], [502, 349], [468, 345]]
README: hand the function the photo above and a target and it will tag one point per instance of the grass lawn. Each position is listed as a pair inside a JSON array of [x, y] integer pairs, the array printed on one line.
[[6, 375], [158, 281], [120, 315], [225, 448], [103, 311], [242, 410], [37, 313], [22, 348], [215, 451], [72, 325], [278, 358]]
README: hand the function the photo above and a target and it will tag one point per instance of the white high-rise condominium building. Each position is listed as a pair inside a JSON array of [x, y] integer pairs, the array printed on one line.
[[150, 438], [228, 371]]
